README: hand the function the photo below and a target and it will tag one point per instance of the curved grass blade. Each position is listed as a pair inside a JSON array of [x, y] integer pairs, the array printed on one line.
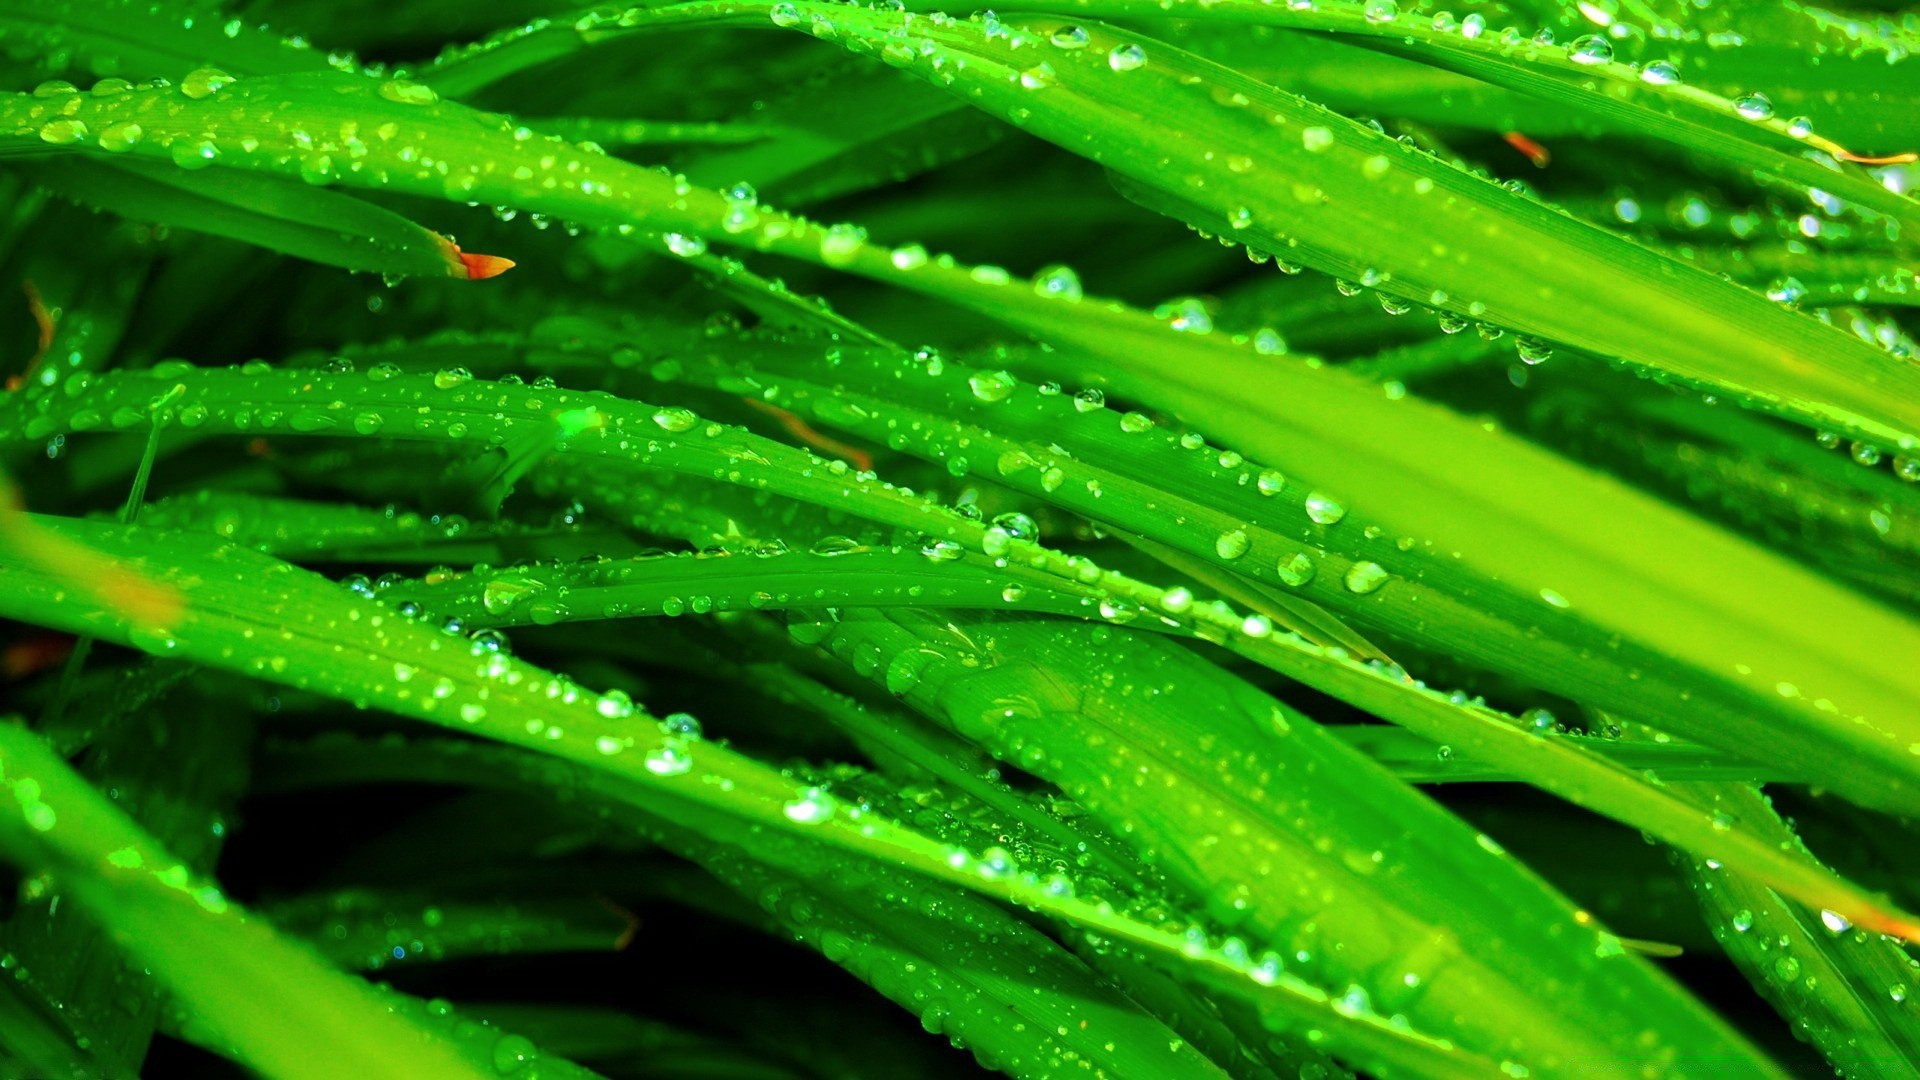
[[134, 38], [1336, 892], [309, 403], [373, 656], [1844, 989], [1022, 1006], [1412, 441], [278, 1009], [375, 930], [1333, 193], [284, 216]]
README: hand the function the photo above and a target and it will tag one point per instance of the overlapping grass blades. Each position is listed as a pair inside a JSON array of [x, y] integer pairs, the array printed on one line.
[[1040, 665]]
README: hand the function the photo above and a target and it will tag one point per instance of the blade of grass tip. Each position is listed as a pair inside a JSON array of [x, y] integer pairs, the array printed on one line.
[[276, 1006], [1844, 989], [280, 215]]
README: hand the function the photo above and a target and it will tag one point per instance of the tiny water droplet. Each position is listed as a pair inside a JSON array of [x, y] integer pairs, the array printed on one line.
[[1059, 282]]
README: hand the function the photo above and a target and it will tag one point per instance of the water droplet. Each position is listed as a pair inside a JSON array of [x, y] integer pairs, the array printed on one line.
[[1660, 73], [991, 385], [1317, 139], [812, 807], [1324, 509], [1070, 37], [404, 92], [511, 1052], [61, 132], [122, 136], [205, 82], [1835, 922], [668, 759], [614, 705], [674, 418], [1755, 106], [1038, 77], [1365, 577], [840, 244], [1381, 11], [1187, 315], [685, 246], [1232, 544], [1059, 282], [1591, 49], [1127, 57], [1295, 569], [943, 550]]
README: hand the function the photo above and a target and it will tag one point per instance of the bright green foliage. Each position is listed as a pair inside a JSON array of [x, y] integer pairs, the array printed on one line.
[[869, 555]]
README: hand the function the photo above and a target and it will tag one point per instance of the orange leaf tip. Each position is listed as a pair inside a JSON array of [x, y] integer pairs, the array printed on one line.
[[1890, 159], [481, 267]]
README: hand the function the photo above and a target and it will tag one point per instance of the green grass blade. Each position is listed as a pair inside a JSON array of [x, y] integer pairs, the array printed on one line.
[[275, 1005], [284, 216]]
